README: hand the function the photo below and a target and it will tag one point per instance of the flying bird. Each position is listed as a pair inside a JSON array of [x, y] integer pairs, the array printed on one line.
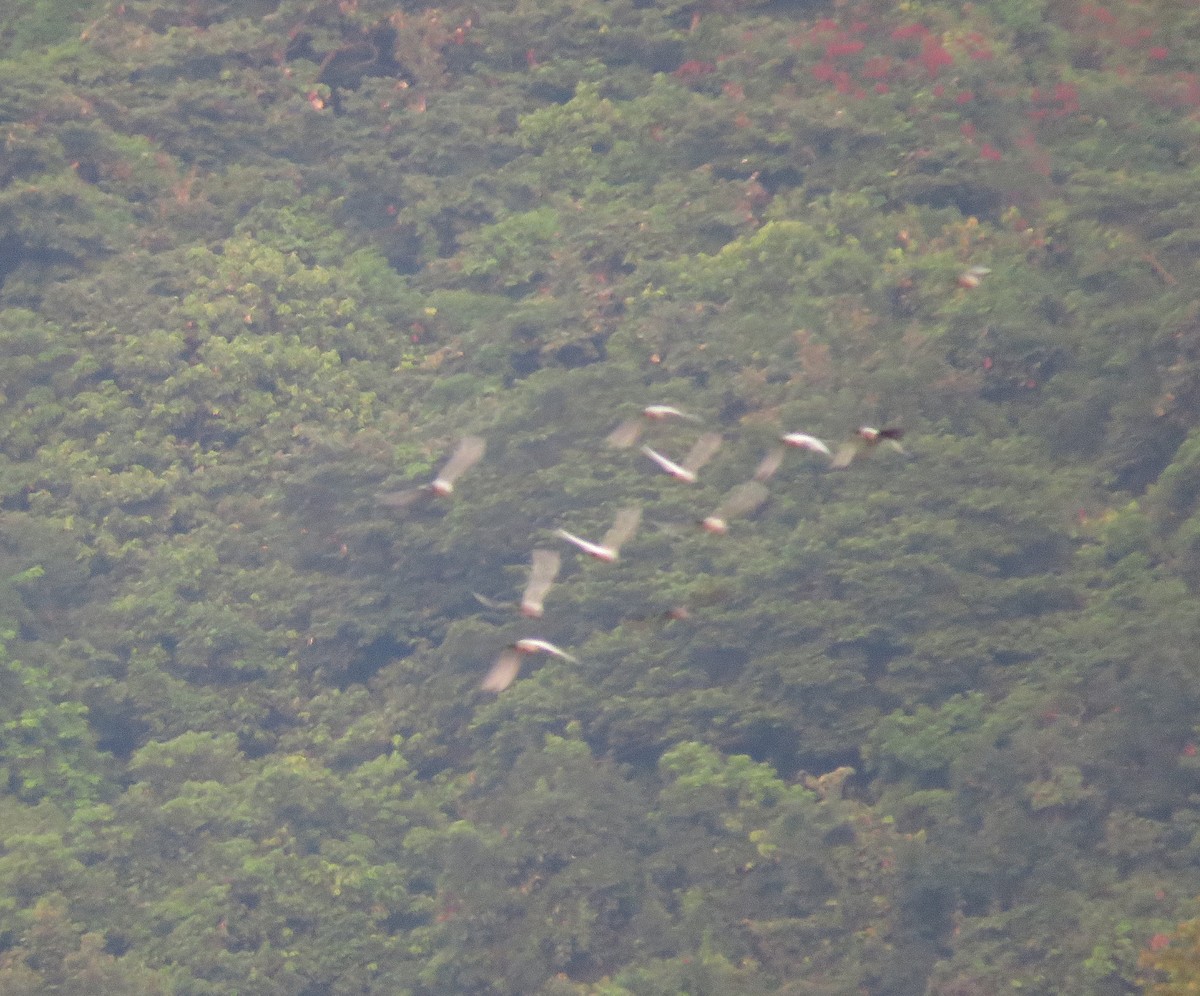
[[607, 549], [469, 452], [867, 439], [504, 671], [973, 277], [700, 454], [745, 499], [542, 572], [630, 431]]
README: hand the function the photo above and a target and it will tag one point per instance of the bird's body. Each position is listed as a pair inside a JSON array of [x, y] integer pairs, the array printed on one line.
[[697, 457], [542, 572], [870, 435], [609, 547]]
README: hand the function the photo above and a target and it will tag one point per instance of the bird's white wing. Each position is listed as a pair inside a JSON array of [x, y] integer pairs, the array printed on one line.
[[503, 673], [847, 453], [624, 526], [404, 499], [669, 411], [625, 434], [769, 464], [531, 645], [469, 452], [670, 466], [802, 440], [490, 603], [704, 450], [542, 572], [745, 499], [587, 546]]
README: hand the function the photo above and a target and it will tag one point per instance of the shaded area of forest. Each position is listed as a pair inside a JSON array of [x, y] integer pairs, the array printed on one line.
[[922, 725]]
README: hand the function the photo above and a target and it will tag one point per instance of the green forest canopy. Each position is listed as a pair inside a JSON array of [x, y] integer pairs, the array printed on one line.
[[923, 725]]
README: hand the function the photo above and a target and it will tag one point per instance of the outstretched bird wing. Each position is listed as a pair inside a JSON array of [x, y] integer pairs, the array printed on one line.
[[669, 411], [469, 452], [847, 453], [542, 572], [803, 441], [625, 525], [668, 465], [407, 498], [769, 464], [625, 434], [503, 673], [745, 499], [704, 450], [531, 645]]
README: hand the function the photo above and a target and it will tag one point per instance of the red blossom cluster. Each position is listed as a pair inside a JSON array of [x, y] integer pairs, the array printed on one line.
[[848, 57], [838, 43], [842, 81], [1100, 23], [693, 70], [977, 48], [1057, 102], [909, 31], [1183, 90], [934, 56]]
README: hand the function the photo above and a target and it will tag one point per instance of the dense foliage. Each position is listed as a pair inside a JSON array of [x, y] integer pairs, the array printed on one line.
[[923, 725]]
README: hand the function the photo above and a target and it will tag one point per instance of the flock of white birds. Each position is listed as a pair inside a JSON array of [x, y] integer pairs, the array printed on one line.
[[743, 500]]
